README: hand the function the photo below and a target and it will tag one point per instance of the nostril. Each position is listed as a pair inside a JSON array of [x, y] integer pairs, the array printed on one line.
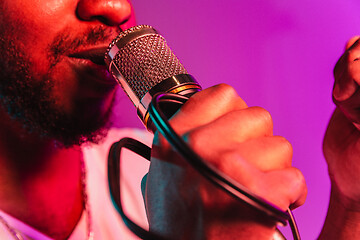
[[101, 19], [109, 12]]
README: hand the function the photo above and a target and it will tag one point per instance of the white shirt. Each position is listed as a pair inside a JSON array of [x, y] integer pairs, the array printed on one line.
[[106, 223]]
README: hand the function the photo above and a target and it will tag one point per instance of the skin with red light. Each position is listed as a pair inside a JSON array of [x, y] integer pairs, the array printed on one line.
[[237, 140], [38, 26], [342, 149], [32, 184], [55, 38]]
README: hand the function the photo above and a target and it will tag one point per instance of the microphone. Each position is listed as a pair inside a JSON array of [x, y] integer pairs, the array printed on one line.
[[144, 65]]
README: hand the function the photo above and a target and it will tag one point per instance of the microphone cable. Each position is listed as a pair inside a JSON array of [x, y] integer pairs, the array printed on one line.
[[219, 179]]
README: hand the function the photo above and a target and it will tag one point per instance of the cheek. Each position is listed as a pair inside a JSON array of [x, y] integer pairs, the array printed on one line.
[[40, 16], [33, 24], [65, 87]]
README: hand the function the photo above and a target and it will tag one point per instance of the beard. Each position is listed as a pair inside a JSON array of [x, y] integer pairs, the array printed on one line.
[[27, 98]]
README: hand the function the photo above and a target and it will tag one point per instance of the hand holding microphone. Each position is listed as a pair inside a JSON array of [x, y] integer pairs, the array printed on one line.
[[236, 140], [216, 123]]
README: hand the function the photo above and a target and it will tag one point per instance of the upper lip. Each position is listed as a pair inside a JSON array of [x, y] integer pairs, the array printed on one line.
[[94, 54]]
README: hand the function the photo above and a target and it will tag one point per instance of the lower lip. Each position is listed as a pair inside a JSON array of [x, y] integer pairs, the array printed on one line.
[[93, 71], [94, 79]]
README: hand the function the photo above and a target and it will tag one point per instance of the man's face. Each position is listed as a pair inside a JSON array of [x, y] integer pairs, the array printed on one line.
[[52, 78]]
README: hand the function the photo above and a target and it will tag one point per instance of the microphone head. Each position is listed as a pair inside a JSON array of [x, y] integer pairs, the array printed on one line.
[[143, 64]]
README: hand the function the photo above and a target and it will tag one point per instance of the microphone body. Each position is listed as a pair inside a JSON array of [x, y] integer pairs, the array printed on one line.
[[144, 65]]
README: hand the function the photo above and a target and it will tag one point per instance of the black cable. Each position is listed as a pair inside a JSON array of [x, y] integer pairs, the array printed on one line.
[[114, 170], [218, 178], [294, 229]]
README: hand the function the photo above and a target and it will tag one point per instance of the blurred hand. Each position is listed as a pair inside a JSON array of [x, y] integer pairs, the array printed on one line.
[[239, 141], [342, 139], [342, 149]]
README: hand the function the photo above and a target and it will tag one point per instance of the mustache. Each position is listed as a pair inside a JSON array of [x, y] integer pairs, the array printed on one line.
[[65, 43]]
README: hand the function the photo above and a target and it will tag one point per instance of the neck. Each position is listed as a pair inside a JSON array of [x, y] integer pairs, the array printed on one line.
[[40, 182]]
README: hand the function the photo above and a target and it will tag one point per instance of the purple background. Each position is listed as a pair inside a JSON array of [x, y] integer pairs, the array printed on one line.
[[278, 54]]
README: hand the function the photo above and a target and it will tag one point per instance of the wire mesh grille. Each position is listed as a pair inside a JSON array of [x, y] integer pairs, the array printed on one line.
[[146, 61]]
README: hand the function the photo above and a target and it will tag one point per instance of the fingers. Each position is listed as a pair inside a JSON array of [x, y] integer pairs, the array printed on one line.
[[267, 153], [202, 108], [347, 79], [205, 106], [233, 127], [347, 71], [237, 140], [284, 187]]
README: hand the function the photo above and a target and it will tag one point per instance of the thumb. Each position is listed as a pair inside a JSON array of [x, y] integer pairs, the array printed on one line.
[[347, 71]]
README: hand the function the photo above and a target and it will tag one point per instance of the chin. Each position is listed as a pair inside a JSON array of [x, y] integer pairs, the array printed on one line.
[[88, 121]]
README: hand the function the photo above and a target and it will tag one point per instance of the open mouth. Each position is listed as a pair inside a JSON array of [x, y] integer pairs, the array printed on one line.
[[88, 63], [95, 55]]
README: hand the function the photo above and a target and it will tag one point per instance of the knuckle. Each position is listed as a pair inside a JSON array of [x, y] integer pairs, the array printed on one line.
[[301, 187], [297, 189], [352, 55], [225, 93], [226, 89], [227, 163], [264, 116], [221, 95], [298, 179], [352, 41], [286, 145], [191, 103]]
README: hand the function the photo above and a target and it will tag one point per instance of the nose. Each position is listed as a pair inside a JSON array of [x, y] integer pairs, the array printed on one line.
[[110, 12]]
